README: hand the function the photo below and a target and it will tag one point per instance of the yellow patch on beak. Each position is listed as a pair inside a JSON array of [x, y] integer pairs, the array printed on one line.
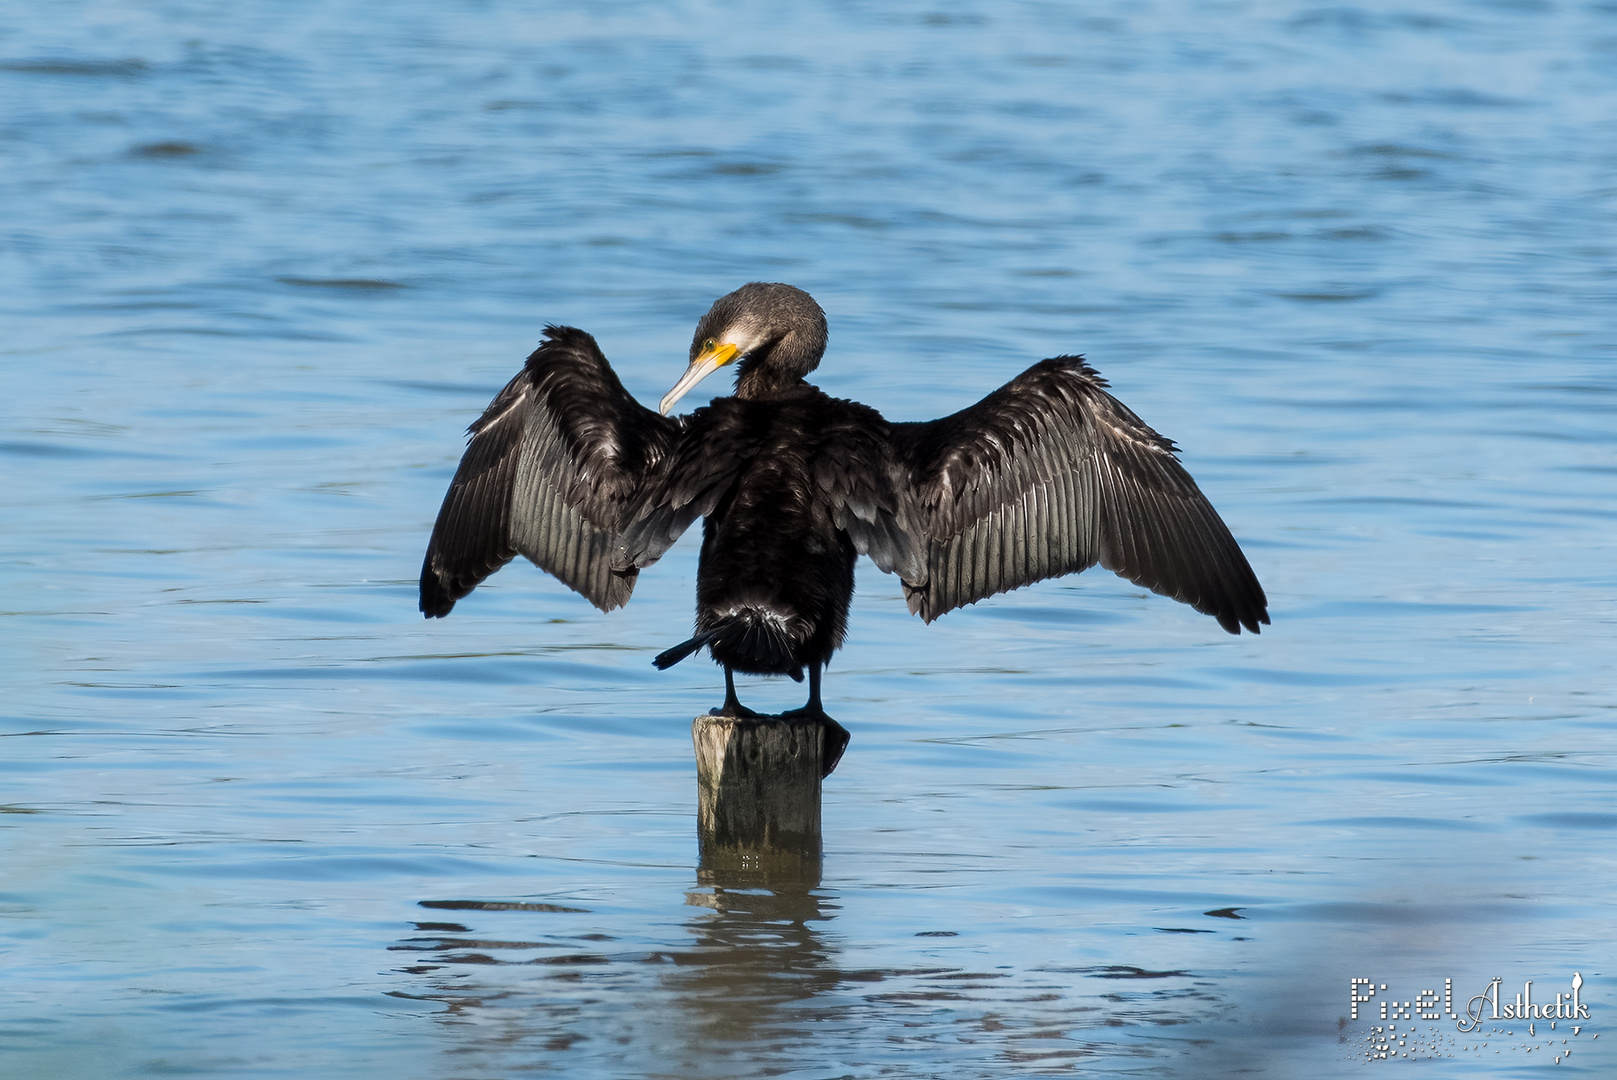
[[710, 359]]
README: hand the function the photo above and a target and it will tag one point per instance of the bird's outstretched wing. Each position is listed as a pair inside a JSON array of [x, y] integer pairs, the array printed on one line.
[[1049, 475], [554, 471]]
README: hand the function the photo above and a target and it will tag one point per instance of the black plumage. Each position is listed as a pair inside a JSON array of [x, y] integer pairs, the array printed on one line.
[[1048, 475]]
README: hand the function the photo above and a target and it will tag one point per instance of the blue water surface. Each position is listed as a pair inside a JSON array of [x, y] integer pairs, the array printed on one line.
[[260, 264]]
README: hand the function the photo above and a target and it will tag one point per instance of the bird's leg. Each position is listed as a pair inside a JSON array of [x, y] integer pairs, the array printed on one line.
[[836, 736], [813, 707], [732, 705]]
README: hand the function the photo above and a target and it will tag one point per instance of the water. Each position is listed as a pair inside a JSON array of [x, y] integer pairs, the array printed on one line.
[[262, 263]]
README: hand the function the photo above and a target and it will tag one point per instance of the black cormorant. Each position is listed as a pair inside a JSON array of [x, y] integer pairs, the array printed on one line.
[[1048, 475]]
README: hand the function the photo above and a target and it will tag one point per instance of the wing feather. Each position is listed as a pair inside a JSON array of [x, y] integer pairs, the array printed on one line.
[[557, 467], [1050, 475]]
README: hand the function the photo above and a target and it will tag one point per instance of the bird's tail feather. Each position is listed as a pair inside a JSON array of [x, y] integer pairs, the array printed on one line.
[[669, 657]]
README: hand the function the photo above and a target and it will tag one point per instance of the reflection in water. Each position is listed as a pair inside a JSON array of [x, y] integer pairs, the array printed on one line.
[[757, 956], [764, 987], [759, 960]]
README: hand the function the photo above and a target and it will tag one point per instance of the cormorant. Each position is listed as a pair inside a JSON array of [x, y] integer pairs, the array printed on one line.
[[1048, 475]]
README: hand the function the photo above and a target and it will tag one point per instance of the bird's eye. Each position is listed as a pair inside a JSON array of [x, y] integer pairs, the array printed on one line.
[[708, 345]]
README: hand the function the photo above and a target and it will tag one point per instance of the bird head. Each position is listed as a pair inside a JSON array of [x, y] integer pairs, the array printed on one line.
[[773, 332]]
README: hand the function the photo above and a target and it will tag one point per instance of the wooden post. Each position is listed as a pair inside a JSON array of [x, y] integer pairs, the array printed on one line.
[[758, 791]]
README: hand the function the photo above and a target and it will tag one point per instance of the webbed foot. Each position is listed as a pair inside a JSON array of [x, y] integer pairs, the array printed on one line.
[[836, 736]]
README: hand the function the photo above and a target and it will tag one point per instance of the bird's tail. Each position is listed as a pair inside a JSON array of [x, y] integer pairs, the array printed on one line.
[[749, 640], [669, 657]]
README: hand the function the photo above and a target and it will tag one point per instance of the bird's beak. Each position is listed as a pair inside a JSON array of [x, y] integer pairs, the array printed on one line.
[[705, 364]]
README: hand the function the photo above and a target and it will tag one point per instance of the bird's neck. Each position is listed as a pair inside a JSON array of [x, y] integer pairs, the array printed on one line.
[[762, 382], [779, 368]]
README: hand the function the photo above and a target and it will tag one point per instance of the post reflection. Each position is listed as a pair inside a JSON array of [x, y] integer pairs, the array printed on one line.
[[743, 981], [758, 955]]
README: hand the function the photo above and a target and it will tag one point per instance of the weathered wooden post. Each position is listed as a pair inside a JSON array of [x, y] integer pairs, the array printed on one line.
[[758, 792]]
